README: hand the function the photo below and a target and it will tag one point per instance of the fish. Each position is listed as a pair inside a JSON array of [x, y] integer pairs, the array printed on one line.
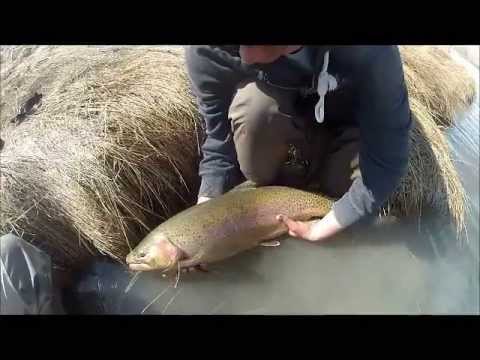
[[225, 226]]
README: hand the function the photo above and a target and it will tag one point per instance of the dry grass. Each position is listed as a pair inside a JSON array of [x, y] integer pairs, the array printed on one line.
[[113, 150], [437, 82], [438, 88], [431, 180]]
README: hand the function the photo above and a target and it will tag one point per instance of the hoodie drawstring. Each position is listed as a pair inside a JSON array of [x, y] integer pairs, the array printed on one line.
[[326, 82]]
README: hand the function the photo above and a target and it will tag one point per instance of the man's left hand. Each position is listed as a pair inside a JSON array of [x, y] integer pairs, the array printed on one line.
[[316, 230]]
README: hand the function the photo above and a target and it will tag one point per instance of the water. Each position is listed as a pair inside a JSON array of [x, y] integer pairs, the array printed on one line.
[[394, 269]]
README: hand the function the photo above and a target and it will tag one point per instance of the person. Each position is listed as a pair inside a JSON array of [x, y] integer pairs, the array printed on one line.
[[345, 108], [28, 284]]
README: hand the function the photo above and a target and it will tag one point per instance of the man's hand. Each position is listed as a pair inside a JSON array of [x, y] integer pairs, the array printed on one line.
[[202, 199], [315, 230]]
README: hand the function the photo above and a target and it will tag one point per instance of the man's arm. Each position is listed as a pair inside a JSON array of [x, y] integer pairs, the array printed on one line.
[[383, 115], [213, 81], [384, 118]]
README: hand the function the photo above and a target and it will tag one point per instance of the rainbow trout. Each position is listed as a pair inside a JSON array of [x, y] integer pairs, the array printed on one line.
[[224, 226]]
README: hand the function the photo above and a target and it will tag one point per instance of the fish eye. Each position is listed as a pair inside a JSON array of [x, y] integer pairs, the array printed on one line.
[[142, 254]]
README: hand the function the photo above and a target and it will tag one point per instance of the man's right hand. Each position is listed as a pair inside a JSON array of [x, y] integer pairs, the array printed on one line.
[[202, 199]]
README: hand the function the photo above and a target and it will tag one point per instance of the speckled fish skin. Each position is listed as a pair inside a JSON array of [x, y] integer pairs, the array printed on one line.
[[237, 221]]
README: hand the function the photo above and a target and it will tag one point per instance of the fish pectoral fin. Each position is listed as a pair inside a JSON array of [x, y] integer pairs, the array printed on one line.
[[270, 243], [270, 239], [193, 261]]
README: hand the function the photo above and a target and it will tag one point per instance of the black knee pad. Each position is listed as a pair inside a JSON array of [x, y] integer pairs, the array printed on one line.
[[27, 273], [8, 243]]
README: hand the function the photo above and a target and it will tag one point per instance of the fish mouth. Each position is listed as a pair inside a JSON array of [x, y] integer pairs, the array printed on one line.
[[160, 255], [136, 264], [139, 267], [145, 266]]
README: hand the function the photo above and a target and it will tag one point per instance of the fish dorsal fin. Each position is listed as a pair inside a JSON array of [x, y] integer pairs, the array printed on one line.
[[246, 185]]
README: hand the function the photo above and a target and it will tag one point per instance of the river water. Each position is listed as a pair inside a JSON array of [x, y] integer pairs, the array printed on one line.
[[401, 268]]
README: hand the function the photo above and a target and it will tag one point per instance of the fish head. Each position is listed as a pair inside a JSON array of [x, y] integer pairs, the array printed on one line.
[[155, 252]]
